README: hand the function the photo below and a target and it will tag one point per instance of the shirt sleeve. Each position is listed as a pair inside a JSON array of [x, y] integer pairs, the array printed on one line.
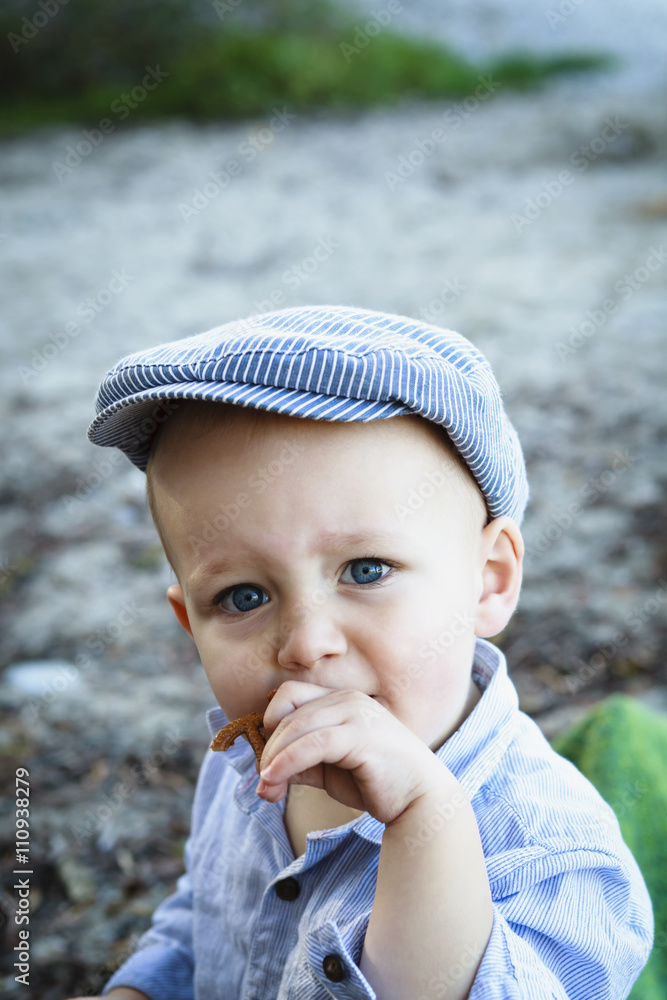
[[583, 933]]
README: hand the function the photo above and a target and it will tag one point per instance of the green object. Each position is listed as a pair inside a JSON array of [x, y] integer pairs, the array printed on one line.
[[230, 60], [621, 747]]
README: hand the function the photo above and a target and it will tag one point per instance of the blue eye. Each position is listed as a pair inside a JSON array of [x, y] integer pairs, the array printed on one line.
[[244, 597], [364, 570]]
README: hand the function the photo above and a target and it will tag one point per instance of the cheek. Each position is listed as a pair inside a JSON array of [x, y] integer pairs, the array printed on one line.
[[392, 640], [237, 662], [232, 673]]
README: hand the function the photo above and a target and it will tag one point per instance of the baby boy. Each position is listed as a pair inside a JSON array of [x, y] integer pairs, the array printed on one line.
[[339, 494]]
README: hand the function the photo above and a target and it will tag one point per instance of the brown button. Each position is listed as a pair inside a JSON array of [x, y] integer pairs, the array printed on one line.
[[287, 889], [333, 968]]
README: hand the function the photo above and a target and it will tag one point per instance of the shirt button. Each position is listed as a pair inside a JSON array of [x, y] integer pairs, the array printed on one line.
[[287, 889], [333, 968]]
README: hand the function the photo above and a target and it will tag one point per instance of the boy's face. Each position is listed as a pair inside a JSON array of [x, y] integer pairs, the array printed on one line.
[[339, 554]]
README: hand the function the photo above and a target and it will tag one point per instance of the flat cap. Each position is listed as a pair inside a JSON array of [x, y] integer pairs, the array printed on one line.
[[325, 363]]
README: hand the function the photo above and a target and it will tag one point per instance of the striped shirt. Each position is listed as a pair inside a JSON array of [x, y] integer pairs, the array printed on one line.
[[249, 921]]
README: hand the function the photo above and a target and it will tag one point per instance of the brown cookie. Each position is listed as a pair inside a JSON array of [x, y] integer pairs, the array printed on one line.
[[250, 726]]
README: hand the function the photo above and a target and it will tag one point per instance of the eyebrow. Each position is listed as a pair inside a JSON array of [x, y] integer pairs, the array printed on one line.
[[332, 541]]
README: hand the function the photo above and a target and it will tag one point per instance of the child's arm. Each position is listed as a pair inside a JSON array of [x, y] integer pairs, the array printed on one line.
[[433, 901], [432, 911]]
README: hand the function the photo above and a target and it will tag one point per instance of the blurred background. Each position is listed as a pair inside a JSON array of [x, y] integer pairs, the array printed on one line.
[[495, 167]]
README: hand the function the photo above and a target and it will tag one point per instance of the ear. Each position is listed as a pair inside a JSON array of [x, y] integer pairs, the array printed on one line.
[[177, 601], [501, 559]]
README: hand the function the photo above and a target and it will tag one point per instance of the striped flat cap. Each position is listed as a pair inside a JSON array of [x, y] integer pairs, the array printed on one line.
[[326, 363]]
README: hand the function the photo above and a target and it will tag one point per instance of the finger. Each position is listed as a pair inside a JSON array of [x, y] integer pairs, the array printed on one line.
[[275, 792], [337, 744], [290, 696], [334, 707]]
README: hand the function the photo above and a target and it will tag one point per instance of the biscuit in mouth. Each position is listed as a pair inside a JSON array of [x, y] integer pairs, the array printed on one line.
[[250, 725]]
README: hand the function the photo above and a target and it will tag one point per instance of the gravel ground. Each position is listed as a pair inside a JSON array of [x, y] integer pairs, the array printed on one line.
[[538, 228]]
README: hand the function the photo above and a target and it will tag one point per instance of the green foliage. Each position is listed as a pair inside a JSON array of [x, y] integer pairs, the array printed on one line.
[[621, 747], [524, 70], [232, 59], [88, 44], [248, 74]]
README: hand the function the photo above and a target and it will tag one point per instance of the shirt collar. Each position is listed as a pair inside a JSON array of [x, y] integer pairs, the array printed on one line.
[[472, 752], [476, 748]]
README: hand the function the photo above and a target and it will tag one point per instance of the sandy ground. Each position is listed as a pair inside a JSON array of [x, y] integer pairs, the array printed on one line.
[[537, 227]]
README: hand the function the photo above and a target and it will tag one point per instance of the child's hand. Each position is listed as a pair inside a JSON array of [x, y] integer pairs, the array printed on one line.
[[348, 744]]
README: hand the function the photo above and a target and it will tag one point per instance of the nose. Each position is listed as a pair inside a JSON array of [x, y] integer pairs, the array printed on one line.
[[307, 635]]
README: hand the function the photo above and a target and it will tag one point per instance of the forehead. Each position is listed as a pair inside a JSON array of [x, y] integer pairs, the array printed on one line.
[[196, 419], [206, 434], [283, 485]]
